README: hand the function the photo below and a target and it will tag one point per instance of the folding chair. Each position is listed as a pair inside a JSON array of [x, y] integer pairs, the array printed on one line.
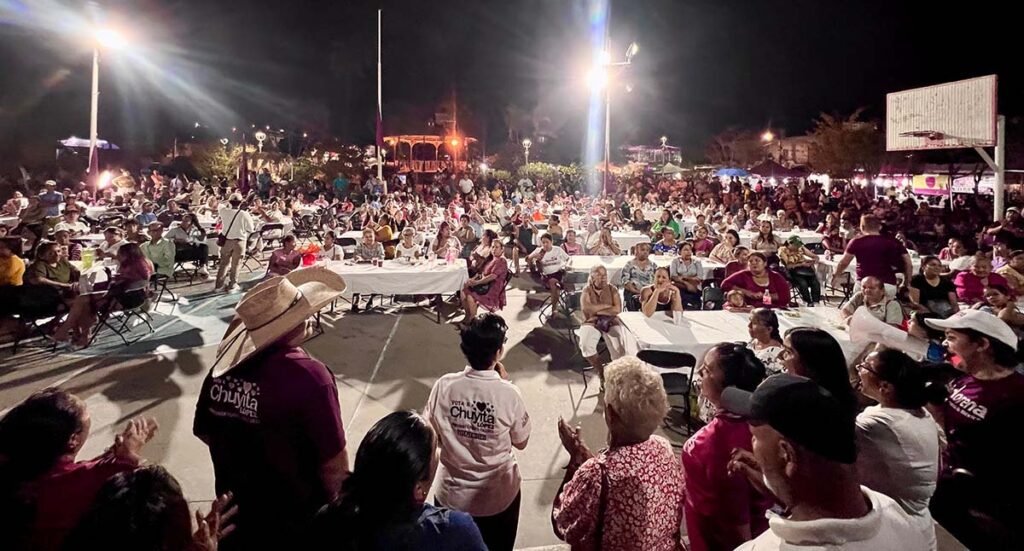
[[129, 303], [158, 282], [34, 315], [270, 233], [676, 370], [845, 287], [252, 251]]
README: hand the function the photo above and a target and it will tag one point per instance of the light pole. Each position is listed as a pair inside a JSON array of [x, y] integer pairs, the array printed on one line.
[[606, 65], [527, 144], [260, 136], [111, 40]]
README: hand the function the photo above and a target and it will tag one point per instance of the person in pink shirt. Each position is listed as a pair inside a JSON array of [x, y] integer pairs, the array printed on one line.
[[284, 259], [970, 285], [722, 510], [701, 244]]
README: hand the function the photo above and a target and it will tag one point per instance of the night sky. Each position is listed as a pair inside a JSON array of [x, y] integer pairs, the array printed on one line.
[[310, 65]]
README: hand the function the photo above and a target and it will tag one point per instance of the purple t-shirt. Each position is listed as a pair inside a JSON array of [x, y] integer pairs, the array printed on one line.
[[878, 256], [981, 417], [270, 424]]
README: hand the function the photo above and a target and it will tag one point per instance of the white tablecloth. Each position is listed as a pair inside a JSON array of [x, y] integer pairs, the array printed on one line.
[[95, 212], [702, 329], [807, 236], [9, 221], [615, 264], [627, 240], [400, 278]]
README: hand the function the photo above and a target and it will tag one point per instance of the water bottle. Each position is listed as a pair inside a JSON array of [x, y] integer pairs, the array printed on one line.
[[766, 298], [449, 256], [88, 257]]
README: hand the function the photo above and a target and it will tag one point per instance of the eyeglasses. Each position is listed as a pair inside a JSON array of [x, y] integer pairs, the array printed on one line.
[[864, 365]]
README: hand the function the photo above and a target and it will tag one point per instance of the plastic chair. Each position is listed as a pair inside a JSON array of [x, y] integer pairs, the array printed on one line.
[[676, 370], [129, 303]]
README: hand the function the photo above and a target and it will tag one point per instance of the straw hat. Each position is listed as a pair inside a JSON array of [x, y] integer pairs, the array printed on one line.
[[271, 310]]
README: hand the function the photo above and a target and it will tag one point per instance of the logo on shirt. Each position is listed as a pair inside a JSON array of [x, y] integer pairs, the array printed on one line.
[[966, 406], [241, 396], [472, 418]]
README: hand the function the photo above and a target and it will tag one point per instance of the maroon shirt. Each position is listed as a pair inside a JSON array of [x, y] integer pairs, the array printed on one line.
[[270, 424], [981, 417], [777, 285], [878, 256], [63, 496]]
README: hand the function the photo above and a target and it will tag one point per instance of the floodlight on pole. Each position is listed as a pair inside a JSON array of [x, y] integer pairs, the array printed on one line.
[[606, 64], [527, 144], [108, 39], [767, 137], [260, 137]]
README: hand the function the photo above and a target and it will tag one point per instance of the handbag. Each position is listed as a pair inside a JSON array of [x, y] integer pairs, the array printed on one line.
[[482, 289], [222, 239]]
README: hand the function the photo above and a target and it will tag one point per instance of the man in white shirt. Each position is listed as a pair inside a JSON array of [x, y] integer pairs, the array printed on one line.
[[479, 416], [465, 185], [113, 239], [236, 225], [804, 451], [71, 223], [548, 265]]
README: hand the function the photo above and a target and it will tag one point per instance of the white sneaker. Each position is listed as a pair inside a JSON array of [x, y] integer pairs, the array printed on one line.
[[234, 288], [203, 273]]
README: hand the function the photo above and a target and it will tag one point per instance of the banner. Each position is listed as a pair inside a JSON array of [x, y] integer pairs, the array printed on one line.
[[965, 184], [931, 184]]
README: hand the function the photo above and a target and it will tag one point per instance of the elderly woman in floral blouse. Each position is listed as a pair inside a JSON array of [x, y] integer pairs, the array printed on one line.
[[629, 495]]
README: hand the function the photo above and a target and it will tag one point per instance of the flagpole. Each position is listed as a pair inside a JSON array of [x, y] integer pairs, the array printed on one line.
[[380, 113]]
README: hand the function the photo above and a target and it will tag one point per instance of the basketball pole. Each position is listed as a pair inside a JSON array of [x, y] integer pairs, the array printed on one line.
[[998, 166]]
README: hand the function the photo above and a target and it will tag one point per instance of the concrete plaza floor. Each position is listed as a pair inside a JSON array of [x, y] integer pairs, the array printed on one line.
[[384, 360]]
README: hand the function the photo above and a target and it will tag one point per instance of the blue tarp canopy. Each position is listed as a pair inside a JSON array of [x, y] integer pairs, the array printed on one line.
[[731, 173]]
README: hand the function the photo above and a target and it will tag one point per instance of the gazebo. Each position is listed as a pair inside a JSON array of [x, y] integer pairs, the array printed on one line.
[[428, 152]]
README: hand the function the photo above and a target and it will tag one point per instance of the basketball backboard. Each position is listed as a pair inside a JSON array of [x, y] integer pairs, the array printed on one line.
[[944, 116]]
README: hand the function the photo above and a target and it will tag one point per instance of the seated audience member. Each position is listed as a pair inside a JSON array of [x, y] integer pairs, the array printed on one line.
[[70, 222], [724, 252], [285, 259], [65, 247], [12, 273], [487, 288], [639, 223], [668, 220], [970, 284], [466, 236], [133, 272], [190, 243], [113, 239], [702, 244], [479, 473], [799, 261], [278, 444], [604, 244], [147, 216], [49, 270], [601, 304], [949, 252], [686, 272], [133, 232], [998, 303], [173, 213], [722, 510], [637, 274], [45, 489], [146, 509], [765, 339], [758, 283], [872, 297], [548, 264], [813, 353], [765, 241], [783, 222], [443, 242], [1013, 271], [555, 231], [159, 251], [834, 242], [667, 244], [571, 246], [629, 495], [407, 247], [661, 295], [897, 441], [736, 302], [959, 257], [907, 243], [481, 254], [383, 502], [330, 251], [932, 292], [804, 450], [740, 256], [976, 498]]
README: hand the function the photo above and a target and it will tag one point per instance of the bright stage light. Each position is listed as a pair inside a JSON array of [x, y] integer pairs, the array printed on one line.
[[110, 39], [605, 58], [767, 136], [597, 78], [104, 180]]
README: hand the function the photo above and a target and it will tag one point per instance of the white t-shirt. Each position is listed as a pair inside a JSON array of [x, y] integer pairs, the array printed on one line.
[[78, 228], [898, 455], [401, 250], [478, 417], [334, 253], [110, 251], [552, 261], [961, 263], [886, 526], [465, 185]]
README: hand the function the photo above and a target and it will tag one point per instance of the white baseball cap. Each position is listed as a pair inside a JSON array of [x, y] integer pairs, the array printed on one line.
[[980, 321]]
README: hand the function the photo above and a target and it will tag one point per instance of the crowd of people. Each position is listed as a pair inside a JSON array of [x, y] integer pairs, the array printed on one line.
[[798, 447]]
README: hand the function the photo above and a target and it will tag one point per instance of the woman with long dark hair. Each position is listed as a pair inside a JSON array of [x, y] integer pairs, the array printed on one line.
[[43, 489], [813, 353], [383, 501], [765, 340]]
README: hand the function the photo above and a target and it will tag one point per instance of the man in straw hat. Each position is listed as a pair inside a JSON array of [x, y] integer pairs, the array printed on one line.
[[269, 412]]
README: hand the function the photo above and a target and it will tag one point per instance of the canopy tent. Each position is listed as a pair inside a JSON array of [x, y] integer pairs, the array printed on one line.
[[670, 168], [83, 142], [772, 169], [731, 173]]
